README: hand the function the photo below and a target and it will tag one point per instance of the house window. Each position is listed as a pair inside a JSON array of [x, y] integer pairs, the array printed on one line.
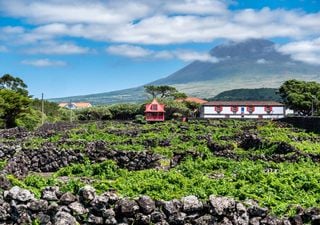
[[218, 108], [250, 109], [234, 109], [268, 109], [154, 107]]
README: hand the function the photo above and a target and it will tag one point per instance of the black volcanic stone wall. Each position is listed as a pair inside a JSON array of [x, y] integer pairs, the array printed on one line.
[[19, 206], [308, 123], [51, 159]]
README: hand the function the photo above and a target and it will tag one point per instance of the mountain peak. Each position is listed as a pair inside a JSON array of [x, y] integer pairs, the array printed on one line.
[[251, 49]]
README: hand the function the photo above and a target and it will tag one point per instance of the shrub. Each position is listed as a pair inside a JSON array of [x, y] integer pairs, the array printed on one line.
[[125, 111], [30, 119], [94, 113]]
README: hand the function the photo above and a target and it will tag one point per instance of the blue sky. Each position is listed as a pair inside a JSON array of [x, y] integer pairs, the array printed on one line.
[[75, 47]]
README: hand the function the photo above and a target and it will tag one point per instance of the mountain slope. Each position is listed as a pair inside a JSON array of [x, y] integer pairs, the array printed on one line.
[[260, 94], [254, 56], [254, 63]]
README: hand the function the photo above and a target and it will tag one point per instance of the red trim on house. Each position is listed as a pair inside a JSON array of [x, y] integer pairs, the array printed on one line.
[[154, 111], [250, 108], [218, 108], [234, 109], [268, 108]]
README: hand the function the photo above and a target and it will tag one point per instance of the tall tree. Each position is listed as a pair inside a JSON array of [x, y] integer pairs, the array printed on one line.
[[163, 91], [11, 105], [301, 96], [13, 83], [152, 90]]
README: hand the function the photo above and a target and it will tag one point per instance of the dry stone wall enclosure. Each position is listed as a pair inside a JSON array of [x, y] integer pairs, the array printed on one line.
[[155, 148], [19, 206]]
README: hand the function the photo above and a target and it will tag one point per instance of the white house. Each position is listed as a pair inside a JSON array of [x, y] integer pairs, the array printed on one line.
[[243, 109]]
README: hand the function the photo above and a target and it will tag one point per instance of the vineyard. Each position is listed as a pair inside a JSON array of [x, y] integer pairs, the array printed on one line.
[[269, 162]]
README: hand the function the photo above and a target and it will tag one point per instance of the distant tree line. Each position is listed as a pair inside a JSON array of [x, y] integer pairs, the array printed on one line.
[[18, 108]]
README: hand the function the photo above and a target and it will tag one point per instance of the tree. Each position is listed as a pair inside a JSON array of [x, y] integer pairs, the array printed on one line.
[[164, 91], [179, 95], [11, 105], [152, 90], [301, 96], [13, 83]]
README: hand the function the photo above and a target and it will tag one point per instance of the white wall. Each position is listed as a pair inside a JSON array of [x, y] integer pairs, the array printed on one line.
[[209, 112]]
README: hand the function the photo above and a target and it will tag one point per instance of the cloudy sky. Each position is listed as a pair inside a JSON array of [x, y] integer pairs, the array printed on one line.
[[74, 47]]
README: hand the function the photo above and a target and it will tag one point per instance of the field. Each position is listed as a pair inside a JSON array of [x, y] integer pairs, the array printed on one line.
[[270, 162]]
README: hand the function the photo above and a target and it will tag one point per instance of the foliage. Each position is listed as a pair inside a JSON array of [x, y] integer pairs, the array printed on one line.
[[164, 91], [51, 109], [14, 84], [66, 115], [173, 107], [260, 94], [3, 163], [29, 119], [11, 105], [125, 111], [94, 113], [301, 96], [278, 186]]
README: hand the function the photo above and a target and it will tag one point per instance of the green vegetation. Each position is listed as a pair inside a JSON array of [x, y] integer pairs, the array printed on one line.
[[261, 94], [301, 96], [279, 186]]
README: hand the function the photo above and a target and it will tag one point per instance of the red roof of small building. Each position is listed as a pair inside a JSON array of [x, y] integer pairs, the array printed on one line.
[[192, 99], [160, 107], [79, 105], [244, 103]]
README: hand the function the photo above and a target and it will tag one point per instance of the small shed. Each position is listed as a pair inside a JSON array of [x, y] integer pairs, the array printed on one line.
[[154, 111]]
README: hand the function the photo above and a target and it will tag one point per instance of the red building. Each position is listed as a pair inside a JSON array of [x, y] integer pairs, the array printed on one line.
[[154, 111]]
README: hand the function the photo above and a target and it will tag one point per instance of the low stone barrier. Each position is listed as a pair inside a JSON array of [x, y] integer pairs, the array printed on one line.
[[19, 206], [48, 159], [308, 123]]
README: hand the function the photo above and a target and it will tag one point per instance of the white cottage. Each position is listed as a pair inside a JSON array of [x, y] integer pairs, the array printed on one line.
[[243, 109]]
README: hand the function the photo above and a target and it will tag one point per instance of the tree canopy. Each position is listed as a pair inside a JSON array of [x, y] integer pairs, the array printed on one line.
[[13, 83], [301, 96], [11, 105], [164, 91]]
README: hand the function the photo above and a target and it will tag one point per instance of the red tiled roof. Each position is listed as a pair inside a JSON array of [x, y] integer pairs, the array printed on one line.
[[244, 103], [160, 107], [83, 104], [192, 99], [76, 104]]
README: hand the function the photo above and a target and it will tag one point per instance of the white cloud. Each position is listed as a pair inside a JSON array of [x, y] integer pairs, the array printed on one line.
[[75, 11], [3, 48], [262, 61], [44, 63], [145, 22], [131, 51], [189, 56], [157, 21], [304, 51], [201, 7], [13, 30], [52, 48]]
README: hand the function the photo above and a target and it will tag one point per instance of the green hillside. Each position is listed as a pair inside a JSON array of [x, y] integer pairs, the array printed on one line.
[[249, 94]]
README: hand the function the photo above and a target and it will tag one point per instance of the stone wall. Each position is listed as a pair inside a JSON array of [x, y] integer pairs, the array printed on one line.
[[50, 159], [308, 123], [19, 206]]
